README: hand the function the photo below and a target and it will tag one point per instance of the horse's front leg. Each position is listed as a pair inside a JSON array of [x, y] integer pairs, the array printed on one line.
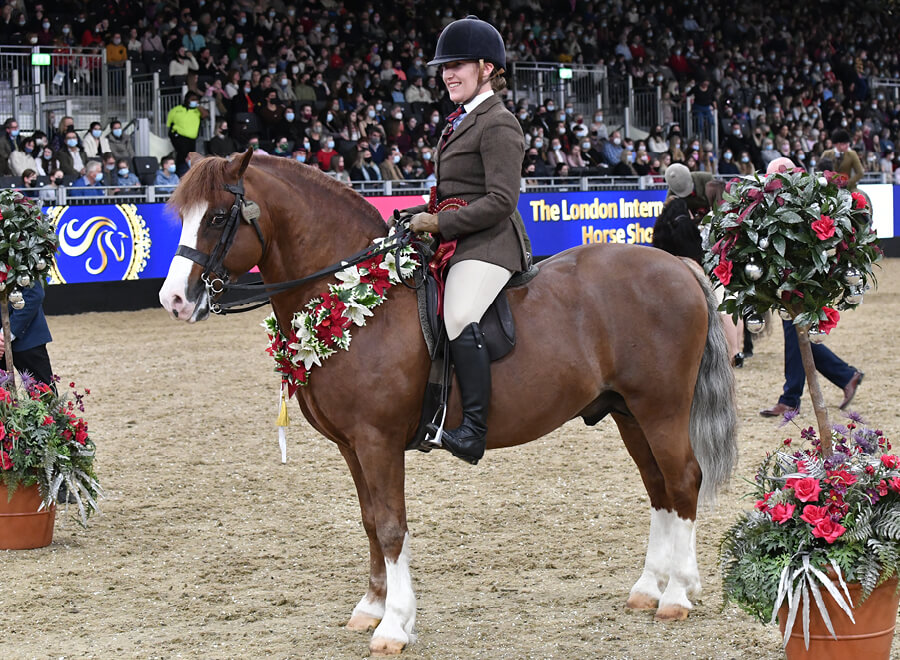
[[383, 469], [369, 611]]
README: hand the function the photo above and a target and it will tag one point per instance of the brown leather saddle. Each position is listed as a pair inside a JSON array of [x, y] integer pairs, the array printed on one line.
[[499, 330]]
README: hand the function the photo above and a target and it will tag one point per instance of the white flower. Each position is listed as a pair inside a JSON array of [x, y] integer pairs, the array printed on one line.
[[356, 312], [349, 276]]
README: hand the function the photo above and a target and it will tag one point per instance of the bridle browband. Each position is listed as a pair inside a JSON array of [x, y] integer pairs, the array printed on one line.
[[216, 278]]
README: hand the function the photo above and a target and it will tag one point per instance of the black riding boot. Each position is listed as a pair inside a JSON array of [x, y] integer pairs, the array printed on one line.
[[473, 372]]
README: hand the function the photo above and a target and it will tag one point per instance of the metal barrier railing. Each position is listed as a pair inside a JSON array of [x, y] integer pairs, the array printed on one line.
[[60, 196], [583, 85]]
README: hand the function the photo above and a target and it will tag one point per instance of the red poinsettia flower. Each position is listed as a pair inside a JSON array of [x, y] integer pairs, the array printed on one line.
[[378, 277], [831, 320], [5, 461], [824, 227], [890, 461], [859, 200], [782, 512], [723, 271], [894, 484], [806, 489]]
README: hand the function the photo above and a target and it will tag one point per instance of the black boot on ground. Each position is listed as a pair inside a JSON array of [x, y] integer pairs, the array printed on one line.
[[473, 373]]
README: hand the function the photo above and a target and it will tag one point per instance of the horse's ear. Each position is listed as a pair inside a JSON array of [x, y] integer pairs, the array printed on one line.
[[194, 157], [239, 164]]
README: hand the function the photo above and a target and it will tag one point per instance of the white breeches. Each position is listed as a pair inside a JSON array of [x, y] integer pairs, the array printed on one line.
[[470, 289]]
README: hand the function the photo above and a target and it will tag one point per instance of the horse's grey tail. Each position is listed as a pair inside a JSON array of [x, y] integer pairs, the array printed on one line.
[[714, 411]]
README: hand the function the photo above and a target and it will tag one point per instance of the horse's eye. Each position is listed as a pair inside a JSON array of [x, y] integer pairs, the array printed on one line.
[[217, 220]]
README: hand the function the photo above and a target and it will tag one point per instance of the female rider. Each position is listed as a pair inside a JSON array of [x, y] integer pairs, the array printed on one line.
[[479, 160]]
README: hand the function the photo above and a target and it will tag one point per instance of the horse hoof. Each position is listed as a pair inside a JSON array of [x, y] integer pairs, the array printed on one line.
[[672, 613], [362, 623], [641, 602], [381, 647]]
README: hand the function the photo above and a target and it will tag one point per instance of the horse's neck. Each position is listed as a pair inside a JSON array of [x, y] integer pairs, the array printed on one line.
[[311, 231]]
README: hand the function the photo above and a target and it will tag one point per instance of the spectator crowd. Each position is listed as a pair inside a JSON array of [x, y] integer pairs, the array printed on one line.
[[345, 86]]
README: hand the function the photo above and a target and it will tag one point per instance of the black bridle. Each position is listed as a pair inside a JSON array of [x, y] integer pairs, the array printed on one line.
[[215, 276]]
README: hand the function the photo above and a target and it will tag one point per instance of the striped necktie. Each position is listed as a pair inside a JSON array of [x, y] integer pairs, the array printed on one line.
[[452, 120]]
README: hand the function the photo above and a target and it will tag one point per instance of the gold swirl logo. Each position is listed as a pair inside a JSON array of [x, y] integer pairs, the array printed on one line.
[[76, 238], [96, 247]]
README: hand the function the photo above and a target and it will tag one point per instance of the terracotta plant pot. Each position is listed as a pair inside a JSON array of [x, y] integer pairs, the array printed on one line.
[[869, 638], [22, 526]]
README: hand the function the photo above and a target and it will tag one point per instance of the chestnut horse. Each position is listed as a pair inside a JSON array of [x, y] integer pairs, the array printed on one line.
[[629, 331]]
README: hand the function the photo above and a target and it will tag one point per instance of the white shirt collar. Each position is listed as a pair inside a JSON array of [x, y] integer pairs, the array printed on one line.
[[474, 103]]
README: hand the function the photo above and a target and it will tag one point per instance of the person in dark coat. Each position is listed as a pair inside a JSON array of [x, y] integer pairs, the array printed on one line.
[[479, 160], [30, 336]]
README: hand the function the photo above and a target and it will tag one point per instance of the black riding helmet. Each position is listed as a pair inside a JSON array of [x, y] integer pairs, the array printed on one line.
[[840, 136], [470, 38]]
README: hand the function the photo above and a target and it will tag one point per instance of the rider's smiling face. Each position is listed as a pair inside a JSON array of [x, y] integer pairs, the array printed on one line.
[[461, 79]]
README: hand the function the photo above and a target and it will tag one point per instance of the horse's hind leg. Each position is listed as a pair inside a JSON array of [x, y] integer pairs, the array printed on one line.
[[368, 612], [670, 577]]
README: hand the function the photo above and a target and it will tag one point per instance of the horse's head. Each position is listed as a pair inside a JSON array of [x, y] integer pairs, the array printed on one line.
[[220, 237]]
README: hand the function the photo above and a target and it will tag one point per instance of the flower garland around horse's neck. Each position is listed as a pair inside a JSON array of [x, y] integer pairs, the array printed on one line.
[[323, 325]]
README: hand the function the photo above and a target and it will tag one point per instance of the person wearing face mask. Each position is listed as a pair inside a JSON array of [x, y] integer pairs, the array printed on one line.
[[727, 164], [125, 178], [183, 122], [390, 167], [271, 112], [365, 169], [25, 158], [612, 149], [29, 183], [116, 52], [94, 143], [71, 157], [479, 158], [8, 143], [119, 144], [326, 152], [377, 145], [166, 178], [56, 181], [845, 160], [182, 64], [89, 184], [222, 144]]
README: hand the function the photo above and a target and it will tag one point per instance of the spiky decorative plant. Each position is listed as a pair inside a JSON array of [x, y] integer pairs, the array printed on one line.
[[816, 515], [44, 441]]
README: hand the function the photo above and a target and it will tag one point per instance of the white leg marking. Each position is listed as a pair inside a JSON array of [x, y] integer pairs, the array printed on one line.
[[400, 605], [173, 294], [684, 577], [371, 606], [659, 550]]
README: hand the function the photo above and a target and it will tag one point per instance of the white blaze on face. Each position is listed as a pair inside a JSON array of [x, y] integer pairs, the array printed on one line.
[[173, 294]]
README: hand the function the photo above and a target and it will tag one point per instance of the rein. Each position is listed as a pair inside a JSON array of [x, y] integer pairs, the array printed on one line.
[[217, 282]]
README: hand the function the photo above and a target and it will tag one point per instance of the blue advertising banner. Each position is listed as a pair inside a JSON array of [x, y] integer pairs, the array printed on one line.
[[105, 242], [558, 221]]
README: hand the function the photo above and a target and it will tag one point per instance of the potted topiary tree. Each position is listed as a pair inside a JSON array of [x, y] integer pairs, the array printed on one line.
[[824, 538], [44, 444]]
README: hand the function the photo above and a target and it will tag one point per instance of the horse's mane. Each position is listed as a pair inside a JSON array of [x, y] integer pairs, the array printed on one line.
[[208, 174]]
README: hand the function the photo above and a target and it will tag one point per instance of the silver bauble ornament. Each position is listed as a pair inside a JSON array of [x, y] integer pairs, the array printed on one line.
[[3, 286], [763, 243], [816, 336], [23, 280], [753, 271], [784, 314], [40, 264], [754, 323], [852, 277], [854, 295], [16, 299]]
